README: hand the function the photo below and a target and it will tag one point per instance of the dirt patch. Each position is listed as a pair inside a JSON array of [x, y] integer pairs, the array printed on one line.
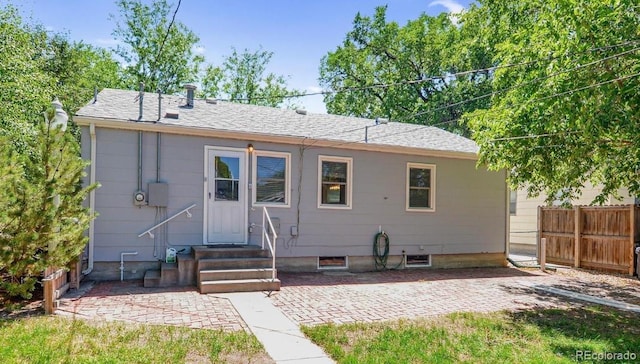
[[14, 307]]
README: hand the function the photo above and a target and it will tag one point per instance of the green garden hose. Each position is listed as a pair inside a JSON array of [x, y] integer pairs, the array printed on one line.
[[381, 257]]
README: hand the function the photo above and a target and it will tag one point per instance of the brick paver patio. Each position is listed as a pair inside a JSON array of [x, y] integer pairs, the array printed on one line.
[[130, 301], [341, 297], [366, 297]]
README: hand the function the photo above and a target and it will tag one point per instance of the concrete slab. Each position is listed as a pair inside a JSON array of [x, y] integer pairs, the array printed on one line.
[[281, 337], [588, 298]]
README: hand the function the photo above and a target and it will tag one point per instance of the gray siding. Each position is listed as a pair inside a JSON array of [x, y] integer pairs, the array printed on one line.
[[470, 214]]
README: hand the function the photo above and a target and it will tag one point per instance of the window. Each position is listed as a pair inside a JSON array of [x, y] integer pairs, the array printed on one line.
[[418, 261], [421, 185], [334, 182], [513, 202], [333, 262], [271, 175]]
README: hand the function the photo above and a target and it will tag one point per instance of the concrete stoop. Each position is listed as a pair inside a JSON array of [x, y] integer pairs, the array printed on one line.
[[218, 270]]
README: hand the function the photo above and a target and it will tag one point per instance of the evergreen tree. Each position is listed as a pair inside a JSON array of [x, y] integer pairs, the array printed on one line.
[[42, 221]]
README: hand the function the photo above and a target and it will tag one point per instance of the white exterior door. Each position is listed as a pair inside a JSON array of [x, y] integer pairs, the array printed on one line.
[[226, 196]]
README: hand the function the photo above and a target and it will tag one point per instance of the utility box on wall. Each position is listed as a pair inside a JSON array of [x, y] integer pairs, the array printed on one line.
[[158, 194]]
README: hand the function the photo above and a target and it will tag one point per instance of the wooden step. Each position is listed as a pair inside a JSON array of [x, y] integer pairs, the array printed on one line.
[[234, 263], [151, 279], [239, 285], [169, 274], [245, 251], [234, 274]]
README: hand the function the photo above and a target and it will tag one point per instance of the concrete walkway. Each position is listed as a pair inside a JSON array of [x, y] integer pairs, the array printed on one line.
[[281, 338]]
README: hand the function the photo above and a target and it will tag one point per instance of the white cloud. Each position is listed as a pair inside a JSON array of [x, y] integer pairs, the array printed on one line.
[[199, 50], [49, 28], [451, 5]]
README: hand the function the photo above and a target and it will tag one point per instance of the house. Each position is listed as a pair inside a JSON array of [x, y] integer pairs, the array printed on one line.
[[523, 238], [330, 184]]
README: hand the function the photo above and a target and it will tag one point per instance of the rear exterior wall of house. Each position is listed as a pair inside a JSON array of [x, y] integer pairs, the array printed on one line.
[[467, 224]]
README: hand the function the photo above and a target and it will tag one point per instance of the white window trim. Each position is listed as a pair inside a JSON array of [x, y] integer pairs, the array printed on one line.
[[349, 161], [254, 178], [432, 190], [407, 265]]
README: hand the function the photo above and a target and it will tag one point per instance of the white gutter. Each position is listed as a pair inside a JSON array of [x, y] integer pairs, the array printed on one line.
[[92, 198]]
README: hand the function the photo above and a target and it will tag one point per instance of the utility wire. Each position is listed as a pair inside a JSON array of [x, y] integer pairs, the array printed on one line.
[[522, 84], [427, 79], [526, 102], [526, 83], [166, 35], [617, 55]]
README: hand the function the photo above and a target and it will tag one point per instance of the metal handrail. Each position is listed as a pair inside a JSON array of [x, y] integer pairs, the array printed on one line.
[[274, 236], [148, 231]]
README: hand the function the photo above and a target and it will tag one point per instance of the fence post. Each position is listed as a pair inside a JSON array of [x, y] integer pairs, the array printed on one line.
[[49, 296], [632, 236], [577, 222], [540, 226], [543, 253]]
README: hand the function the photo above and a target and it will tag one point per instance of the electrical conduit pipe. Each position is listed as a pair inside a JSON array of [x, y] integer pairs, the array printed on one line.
[[122, 263]]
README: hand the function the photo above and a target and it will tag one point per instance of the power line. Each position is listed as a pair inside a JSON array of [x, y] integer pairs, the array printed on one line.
[[427, 79], [523, 83], [505, 90], [166, 35], [418, 127]]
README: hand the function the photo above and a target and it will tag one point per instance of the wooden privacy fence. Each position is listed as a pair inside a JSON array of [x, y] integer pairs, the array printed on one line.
[[594, 237]]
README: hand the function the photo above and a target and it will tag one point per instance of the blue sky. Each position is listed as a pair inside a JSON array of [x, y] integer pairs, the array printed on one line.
[[298, 32]]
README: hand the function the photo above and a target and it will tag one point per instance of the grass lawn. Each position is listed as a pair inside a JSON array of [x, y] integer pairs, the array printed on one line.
[[534, 336], [54, 339]]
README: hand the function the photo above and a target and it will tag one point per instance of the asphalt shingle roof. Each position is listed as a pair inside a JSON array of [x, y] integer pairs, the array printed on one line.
[[123, 106]]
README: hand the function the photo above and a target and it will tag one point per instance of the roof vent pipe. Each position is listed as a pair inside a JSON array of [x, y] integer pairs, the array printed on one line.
[[95, 94], [140, 100], [159, 104], [190, 94]]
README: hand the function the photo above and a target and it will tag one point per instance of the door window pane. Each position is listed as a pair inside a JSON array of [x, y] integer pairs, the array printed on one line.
[[227, 179], [228, 167], [227, 190]]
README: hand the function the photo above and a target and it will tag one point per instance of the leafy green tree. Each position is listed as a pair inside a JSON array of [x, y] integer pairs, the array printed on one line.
[[566, 107], [42, 221], [35, 66], [242, 78], [24, 86], [157, 50], [79, 68], [408, 73]]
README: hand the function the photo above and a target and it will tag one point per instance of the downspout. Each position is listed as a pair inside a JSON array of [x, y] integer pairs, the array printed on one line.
[[92, 199], [139, 160], [507, 230]]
